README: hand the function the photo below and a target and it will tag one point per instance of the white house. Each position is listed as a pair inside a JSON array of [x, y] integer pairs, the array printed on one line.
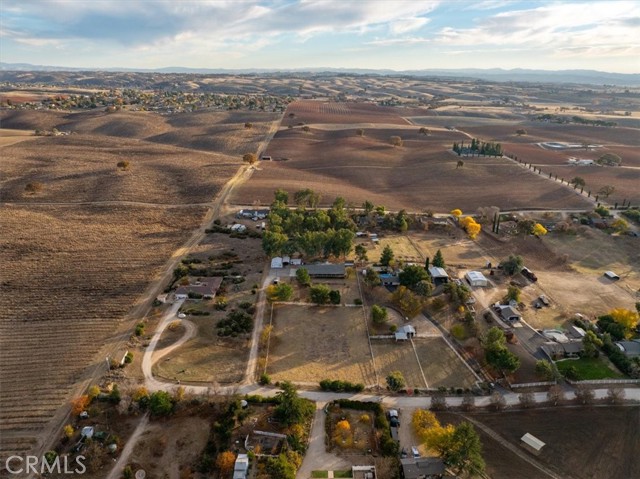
[[532, 443], [276, 262], [405, 333], [476, 279]]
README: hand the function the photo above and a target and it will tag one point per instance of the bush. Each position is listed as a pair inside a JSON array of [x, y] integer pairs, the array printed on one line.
[[139, 329], [236, 322], [334, 296], [264, 379], [160, 403], [33, 187], [341, 386], [128, 358], [320, 294], [379, 314], [357, 301]]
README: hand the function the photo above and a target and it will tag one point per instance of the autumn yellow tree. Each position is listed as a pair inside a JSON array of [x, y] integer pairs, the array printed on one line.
[[431, 432], [539, 230], [471, 226], [625, 317], [140, 393], [79, 404], [94, 391], [225, 462], [68, 431], [457, 212], [342, 435]]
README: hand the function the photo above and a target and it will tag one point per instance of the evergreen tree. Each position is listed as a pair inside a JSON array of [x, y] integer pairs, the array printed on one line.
[[438, 260]]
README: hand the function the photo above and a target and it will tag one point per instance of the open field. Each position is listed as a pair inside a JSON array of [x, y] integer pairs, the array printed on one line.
[[11, 137], [69, 276], [572, 449], [441, 365], [397, 356], [422, 174], [187, 163], [311, 343]]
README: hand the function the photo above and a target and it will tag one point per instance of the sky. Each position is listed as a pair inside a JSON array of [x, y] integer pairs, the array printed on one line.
[[293, 34]]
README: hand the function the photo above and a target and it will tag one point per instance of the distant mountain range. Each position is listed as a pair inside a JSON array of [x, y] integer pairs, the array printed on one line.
[[590, 77]]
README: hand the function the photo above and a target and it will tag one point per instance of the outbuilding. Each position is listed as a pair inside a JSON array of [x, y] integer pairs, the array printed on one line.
[[276, 262], [532, 443], [438, 275], [611, 275], [476, 279]]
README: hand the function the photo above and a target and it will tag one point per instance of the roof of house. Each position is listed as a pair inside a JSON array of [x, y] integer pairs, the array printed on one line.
[[203, 286], [532, 441], [437, 272], [476, 276], [276, 262], [424, 466], [241, 465], [326, 269], [576, 332], [573, 347], [507, 311], [630, 348]]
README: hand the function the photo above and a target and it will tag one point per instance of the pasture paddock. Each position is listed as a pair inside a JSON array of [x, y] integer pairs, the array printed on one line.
[[311, 343]]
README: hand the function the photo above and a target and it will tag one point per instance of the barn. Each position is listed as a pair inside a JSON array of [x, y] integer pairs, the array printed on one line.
[[476, 279]]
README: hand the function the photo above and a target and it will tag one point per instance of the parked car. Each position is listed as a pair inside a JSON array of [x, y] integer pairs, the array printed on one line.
[[530, 275], [415, 452], [403, 453], [544, 300]]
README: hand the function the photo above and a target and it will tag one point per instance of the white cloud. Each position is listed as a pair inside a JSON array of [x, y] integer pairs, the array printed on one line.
[[384, 42], [580, 29], [405, 25]]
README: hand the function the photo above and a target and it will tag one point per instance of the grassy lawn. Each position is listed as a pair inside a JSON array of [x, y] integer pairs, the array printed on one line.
[[342, 474], [589, 368], [319, 473]]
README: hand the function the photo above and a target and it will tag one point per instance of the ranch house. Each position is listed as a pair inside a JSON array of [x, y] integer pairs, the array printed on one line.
[[202, 287], [253, 214], [422, 468], [405, 333], [326, 270], [508, 313]]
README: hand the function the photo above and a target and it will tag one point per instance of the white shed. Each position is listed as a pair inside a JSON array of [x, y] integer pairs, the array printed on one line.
[[532, 443], [276, 262], [476, 279]]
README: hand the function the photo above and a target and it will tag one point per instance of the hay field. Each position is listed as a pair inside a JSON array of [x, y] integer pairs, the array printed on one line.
[[311, 343], [397, 356], [441, 365], [422, 174], [69, 277]]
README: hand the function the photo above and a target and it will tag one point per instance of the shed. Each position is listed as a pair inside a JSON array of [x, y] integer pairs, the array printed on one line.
[[476, 279], [276, 262], [439, 275], [405, 333], [532, 443], [389, 279], [611, 275], [87, 432]]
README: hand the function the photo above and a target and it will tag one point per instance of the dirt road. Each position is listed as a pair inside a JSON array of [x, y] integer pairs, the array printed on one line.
[[116, 472]]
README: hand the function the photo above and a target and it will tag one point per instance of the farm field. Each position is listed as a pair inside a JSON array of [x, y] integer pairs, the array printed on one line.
[[572, 450], [397, 356], [441, 365], [10, 137], [419, 175], [311, 343], [70, 274]]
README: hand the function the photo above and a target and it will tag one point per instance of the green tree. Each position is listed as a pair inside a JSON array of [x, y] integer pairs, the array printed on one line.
[[387, 256], [292, 409], [334, 296], [368, 207], [281, 196], [513, 264], [606, 191], [513, 294], [372, 278], [412, 275], [494, 338], [302, 275], [591, 342], [609, 159], [409, 303], [306, 197], [424, 287], [502, 359], [438, 260], [395, 381], [578, 182], [273, 243], [379, 314], [465, 455], [279, 292], [544, 369], [361, 253], [320, 293], [160, 403], [525, 226]]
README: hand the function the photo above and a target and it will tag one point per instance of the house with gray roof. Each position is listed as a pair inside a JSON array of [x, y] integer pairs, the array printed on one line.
[[630, 348]]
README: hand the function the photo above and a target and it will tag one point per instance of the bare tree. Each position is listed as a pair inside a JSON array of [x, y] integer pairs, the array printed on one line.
[[555, 395], [497, 402], [438, 402], [250, 158], [615, 395], [395, 141], [468, 403], [584, 395], [460, 164], [527, 400]]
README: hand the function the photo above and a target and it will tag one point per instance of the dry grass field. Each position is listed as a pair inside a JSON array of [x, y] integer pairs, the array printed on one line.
[[311, 343], [422, 174], [441, 366], [397, 356], [581, 443]]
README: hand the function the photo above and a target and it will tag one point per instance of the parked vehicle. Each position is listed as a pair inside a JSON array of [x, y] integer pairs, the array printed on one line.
[[415, 452], [530, 275]]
